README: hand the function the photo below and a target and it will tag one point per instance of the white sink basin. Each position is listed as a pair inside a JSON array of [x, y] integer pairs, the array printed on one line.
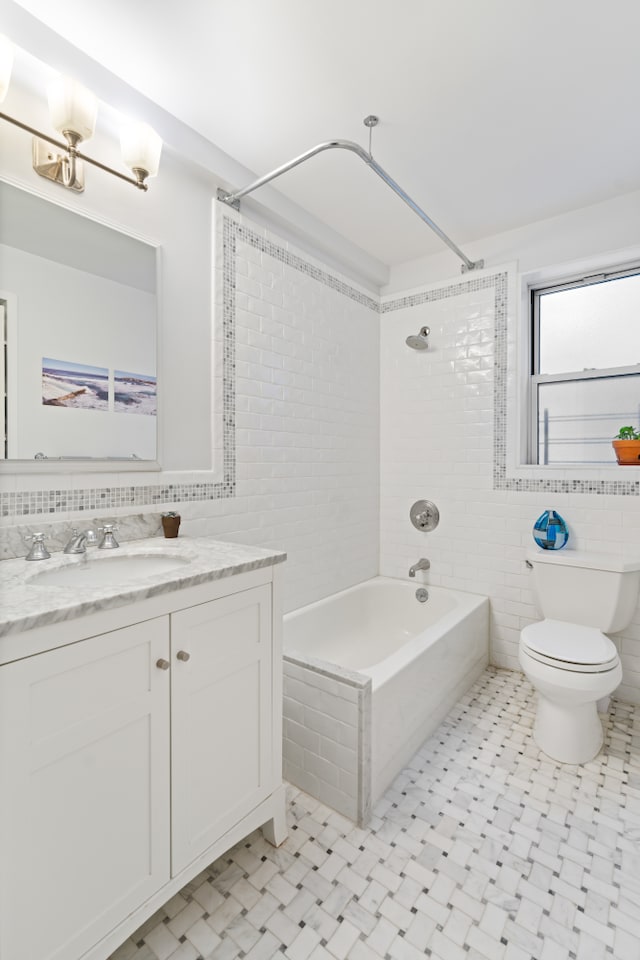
[[107, 571]]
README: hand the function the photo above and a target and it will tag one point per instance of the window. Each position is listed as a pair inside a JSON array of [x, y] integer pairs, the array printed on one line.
[[585, 367]]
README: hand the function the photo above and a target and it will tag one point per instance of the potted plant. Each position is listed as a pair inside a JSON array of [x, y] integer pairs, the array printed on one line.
[[627, 447]]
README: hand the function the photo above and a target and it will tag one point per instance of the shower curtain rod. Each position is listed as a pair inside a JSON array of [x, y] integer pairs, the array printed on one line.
[[233, 199]]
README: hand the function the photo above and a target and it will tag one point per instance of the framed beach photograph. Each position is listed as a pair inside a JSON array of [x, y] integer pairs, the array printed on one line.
[[76, 385], [135, 393]]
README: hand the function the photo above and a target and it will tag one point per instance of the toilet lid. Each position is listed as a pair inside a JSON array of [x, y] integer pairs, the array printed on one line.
[[569, 642]]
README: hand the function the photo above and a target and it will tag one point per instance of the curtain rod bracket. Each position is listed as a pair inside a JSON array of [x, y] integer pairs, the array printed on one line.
[[227, 198]]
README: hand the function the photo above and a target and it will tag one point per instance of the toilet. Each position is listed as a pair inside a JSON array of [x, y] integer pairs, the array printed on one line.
[[568, 656]]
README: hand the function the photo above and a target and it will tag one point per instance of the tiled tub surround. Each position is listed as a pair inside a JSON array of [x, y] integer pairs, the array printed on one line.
[[27, 606], [442, 439], [481, 849], [326, 747], [369, 673]]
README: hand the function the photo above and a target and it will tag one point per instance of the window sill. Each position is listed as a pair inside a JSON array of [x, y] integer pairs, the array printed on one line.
[[574, 472]]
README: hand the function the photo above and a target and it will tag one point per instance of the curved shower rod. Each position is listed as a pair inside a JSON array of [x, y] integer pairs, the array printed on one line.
[[233, 199]]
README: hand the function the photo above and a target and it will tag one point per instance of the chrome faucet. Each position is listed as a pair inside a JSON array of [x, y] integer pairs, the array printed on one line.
[[422, 564], [80, 540]]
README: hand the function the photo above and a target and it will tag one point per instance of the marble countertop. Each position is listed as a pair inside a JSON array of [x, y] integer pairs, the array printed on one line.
[[25, 605]]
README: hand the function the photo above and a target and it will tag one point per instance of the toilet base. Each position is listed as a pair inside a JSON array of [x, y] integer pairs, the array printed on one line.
[[569, 733]]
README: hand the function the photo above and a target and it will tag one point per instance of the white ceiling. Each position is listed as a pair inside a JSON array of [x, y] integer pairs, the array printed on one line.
[[493, 113]]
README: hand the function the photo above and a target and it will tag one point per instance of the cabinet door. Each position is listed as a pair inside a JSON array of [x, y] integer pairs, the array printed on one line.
[[84, 773], [221, 717]]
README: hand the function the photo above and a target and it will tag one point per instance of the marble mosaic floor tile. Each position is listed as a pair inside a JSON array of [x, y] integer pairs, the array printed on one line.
[[481, 849]]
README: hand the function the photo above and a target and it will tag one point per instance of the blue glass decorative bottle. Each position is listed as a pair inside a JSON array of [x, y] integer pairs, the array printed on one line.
[[550, 531]]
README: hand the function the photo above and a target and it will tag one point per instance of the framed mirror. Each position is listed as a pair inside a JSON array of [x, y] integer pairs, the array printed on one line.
[[78, 309]]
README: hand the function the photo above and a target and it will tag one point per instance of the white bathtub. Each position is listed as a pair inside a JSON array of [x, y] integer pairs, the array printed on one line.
[[369, 674]]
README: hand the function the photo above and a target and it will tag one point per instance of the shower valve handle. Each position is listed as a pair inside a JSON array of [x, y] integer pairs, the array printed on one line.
[[424, 515]]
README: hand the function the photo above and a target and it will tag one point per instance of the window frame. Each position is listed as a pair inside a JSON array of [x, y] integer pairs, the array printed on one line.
[[535, 379]]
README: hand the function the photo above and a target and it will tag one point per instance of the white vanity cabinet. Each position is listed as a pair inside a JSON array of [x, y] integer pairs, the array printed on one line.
[[221, 738], [131, 758], [85, 789]]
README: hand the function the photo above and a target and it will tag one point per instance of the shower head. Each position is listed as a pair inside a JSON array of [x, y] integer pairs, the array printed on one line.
[[420, 341]]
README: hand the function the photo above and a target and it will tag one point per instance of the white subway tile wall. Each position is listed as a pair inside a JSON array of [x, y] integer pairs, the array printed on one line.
[[326, 745], [307, 421], [437, 443]]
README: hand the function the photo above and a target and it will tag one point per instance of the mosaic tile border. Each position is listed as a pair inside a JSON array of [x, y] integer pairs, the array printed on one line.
[[27, 503], [501, 481], [457, 289], [299, 263]]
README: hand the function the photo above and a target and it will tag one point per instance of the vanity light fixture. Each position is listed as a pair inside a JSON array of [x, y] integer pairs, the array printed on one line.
[[73, 110]]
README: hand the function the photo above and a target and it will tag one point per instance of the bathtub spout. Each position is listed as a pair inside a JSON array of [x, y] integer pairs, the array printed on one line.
[[422, 564]]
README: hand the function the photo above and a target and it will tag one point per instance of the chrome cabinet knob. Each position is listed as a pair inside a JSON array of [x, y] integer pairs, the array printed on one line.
[[183, 655], [162, 664]]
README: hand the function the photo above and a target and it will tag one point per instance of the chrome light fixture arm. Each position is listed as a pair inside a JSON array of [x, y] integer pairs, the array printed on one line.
[[69, 166], [72, 155], [233, 198]]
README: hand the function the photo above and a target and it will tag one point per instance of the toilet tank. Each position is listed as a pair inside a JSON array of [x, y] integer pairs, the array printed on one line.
[[593, 589]]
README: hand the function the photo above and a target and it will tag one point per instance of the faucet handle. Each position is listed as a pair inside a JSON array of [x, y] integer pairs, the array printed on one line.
[[38, 550], [108, 527], [108, 541]]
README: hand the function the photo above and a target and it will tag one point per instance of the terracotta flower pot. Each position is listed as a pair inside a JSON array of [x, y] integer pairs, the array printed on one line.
[[627, 452]]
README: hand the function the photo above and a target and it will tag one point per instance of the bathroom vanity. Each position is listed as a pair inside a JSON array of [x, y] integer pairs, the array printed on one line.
[[140, 735]]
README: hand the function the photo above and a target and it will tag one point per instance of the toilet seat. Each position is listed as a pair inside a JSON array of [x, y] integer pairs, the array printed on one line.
[[569, 646]]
